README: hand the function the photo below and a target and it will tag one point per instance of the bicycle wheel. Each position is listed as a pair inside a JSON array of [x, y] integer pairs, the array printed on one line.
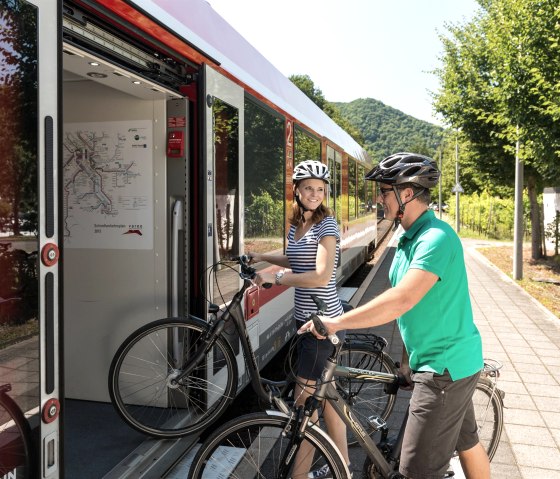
[[16, 450], [489, 413], [368, 399], [143, 369], [258, 445]]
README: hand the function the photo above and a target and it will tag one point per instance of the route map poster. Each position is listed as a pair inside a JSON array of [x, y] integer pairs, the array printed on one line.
[[108, 187]]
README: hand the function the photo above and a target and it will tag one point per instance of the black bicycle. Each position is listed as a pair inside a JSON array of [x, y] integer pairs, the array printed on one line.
[[16, 448], [176, 376], [288, 444]]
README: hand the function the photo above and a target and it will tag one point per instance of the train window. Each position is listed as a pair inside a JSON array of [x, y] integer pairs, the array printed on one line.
[[352, 191], [365, 203], [334, 159], [19, 244], [264, 191], [306, 146], [226, 188], [332, 192], [336, 173]]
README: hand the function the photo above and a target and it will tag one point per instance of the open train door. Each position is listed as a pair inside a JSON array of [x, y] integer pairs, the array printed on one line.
[[223, 152], [29, 312]]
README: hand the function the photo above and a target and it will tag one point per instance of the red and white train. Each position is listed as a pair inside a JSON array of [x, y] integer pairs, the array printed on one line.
[[141, 142]]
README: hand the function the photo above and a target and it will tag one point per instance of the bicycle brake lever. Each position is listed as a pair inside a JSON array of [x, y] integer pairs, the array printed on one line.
[[320, 327]]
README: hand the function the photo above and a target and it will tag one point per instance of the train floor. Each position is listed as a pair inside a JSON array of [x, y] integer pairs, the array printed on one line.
[[95, 439]]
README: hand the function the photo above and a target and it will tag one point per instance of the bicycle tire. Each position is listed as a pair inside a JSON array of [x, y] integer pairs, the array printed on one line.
[[489, 413], [368, 399], [256, 445], [16, 448], [141, 371]]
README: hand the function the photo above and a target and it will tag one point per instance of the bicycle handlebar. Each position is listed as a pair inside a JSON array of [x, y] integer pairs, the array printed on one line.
[[248, 272], [319, 326]]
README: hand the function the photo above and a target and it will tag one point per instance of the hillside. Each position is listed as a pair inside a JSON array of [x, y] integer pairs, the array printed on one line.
[[387, 130]]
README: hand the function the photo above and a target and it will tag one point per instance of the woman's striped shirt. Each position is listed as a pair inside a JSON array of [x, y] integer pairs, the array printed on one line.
[[302, 255]]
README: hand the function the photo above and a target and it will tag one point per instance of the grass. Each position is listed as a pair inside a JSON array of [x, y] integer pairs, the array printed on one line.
[[11, 334]]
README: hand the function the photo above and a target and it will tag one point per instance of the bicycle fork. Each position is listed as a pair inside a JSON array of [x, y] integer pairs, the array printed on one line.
[[295, 430], [205, 345]]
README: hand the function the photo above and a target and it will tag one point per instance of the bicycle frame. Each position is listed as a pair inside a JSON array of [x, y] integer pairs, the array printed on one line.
[[327, 392], [234, 312]]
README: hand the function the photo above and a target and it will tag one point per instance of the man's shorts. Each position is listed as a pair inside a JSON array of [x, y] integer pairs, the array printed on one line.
[[313, 354], [441, 420]]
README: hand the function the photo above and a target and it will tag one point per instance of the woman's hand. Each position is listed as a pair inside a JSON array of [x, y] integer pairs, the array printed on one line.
[[263, 278], [253, 257]]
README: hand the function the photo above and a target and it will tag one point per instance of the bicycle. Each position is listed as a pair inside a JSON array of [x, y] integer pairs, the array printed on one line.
[[16, 448], [368, 399], [176, 376], [270, 444]]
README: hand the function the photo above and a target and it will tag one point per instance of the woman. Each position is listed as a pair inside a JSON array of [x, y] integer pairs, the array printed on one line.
[[312, 255]]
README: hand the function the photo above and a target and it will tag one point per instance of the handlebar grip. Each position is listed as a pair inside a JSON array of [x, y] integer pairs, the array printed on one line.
[[245, 258], [320, 327]]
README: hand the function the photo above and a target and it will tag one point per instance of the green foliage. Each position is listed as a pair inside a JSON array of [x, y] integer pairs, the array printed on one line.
[[552, 231], [264, 217], [500, 82], [380, 129], [307, 86], [387, 130], [486, 215]]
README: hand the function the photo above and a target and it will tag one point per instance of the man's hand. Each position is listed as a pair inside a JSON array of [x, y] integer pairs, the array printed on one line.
[[310, 327]]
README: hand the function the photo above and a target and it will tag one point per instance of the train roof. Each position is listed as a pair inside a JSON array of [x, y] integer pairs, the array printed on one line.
[[198, 23]]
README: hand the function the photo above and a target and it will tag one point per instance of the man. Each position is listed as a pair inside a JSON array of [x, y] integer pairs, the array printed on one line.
[[430, 299]]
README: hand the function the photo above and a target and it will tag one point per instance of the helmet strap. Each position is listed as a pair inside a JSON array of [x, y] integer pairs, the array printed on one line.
[[400, 214], [300, 204]]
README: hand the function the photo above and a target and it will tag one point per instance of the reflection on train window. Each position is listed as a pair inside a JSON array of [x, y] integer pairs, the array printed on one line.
[[365, 200], [226, 194], [19, 325], [352, 213], [306, 146], [336, 174], [264, 190], [334, 162]]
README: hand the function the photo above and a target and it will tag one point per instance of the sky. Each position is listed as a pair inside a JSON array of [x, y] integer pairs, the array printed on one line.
[[382, 49]]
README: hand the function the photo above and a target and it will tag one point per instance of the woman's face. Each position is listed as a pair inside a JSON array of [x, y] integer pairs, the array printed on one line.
[[311, 192]]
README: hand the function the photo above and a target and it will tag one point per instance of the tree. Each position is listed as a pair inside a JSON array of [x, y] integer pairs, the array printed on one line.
[[18, 96], [499, 82], [307, 86]]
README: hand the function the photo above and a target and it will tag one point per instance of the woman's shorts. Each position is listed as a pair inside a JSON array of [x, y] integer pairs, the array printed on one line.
[[313, 354], [441, 420]]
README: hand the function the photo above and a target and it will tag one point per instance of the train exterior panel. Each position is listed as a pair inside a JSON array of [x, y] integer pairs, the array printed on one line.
[[143, 142]]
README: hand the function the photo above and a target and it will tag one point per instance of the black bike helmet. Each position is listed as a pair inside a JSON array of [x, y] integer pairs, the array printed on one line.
[[406, 168]]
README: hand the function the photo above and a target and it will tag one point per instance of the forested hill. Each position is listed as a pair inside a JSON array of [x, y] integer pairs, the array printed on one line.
[[387, 130]]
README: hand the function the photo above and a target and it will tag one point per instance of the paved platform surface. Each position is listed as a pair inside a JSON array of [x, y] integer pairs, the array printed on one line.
[[521, 334]]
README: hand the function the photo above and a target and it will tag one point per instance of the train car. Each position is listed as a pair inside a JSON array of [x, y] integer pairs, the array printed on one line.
[[141, 142]]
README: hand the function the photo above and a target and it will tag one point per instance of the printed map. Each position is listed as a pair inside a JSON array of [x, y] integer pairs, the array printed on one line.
[[108, 188]]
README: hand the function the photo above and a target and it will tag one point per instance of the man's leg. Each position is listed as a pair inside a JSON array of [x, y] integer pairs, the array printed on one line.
[[475, 463]]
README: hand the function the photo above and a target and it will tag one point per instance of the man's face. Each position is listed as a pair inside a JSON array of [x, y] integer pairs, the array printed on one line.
[[389, 201]]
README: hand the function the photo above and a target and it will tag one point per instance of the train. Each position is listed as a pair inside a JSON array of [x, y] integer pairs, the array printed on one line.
[[143, 141]]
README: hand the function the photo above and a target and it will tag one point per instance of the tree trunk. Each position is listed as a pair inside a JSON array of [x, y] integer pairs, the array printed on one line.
[[536, 245]]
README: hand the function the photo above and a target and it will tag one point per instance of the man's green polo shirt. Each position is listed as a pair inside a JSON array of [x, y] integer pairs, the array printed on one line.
[[439, 332]]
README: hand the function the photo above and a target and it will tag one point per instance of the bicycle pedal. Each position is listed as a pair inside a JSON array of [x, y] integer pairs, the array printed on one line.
[[376, 422]]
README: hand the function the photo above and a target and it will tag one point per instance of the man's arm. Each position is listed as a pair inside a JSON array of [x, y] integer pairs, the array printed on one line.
[[384, 308]]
